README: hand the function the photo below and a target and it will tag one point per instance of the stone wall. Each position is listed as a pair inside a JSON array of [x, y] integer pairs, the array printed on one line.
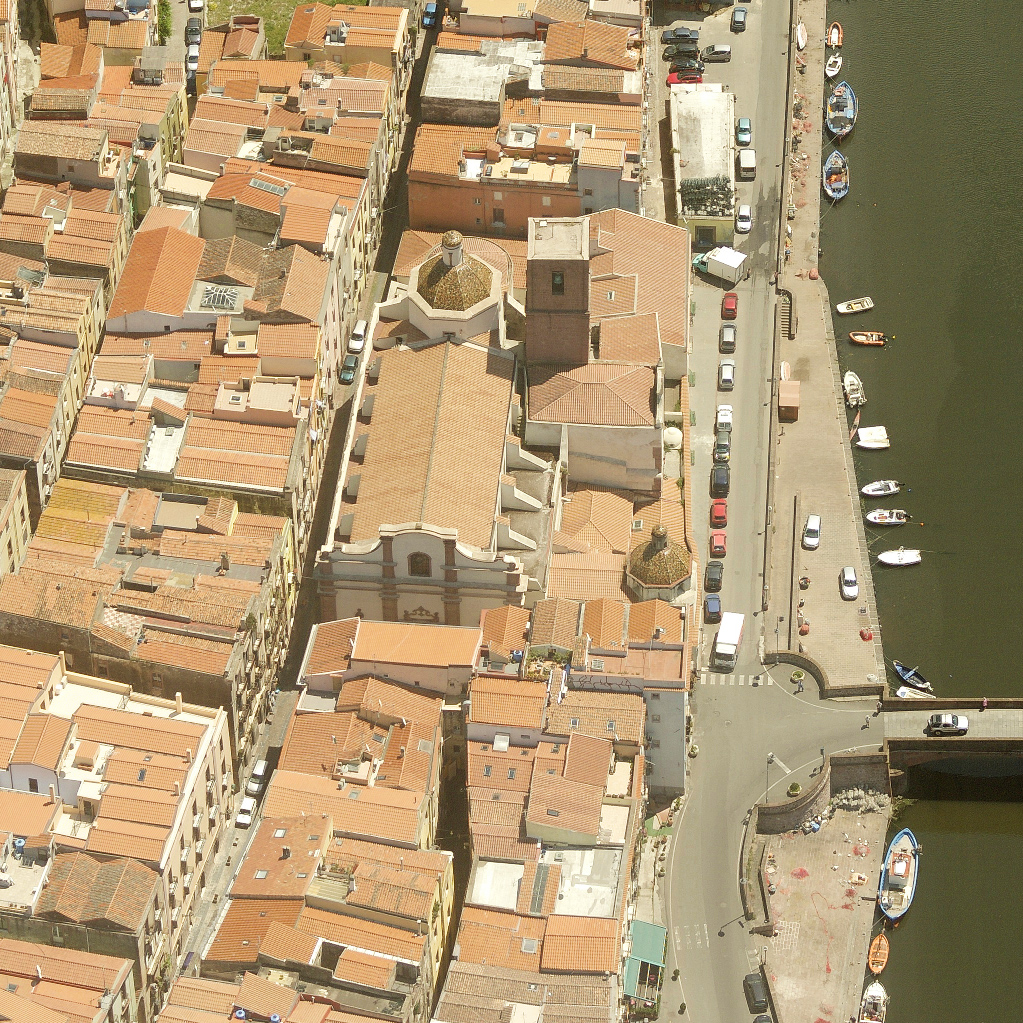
[[776, 818]]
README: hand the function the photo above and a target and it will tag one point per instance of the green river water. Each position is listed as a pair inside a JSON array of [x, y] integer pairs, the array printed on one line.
[[932, 230]]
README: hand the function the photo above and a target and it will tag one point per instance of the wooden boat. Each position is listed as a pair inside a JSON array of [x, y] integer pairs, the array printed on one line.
[[835, 176], [833, 66], [874, 438], [801, 36], [877, 960], [901, 558], [905, 693], [888, 517], [867, 337], [912, 677], [855, 305], [874, 1005], [853, 387], [842, 109], [881, 488], [898, 875], [835, 35]]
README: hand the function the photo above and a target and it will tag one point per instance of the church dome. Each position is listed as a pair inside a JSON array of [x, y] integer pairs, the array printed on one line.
[[451, 280], [660, 562]]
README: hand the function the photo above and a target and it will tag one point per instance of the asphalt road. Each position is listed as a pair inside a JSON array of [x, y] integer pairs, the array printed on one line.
[[738, 725]]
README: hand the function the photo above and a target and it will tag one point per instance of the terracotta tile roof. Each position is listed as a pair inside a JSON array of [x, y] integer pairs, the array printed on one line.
[[123, 838], [586, 576], [315, 743], [366, 935], [504, 629], [495, 252], [283, 943], [71, 28], [619, 716], [604, 623], [538, 890], [210, 996], [183, 345], [25, 813], [560, 10], [583, 79], [122, 728], [144, 769], [230, 260], [437, 646], [602, 153], [378, 699], [596, 394], [508, 771], [646, 617], [630, 338], [293, 281], [31, 594], [210, 137], [595, 519], [261, 997], [60, 139], [345, 854], [42, 742], [266, 873], [58, 972], [439, 147], [118, 35], [158, 273], [362, 968], [579, 944], [246, 924], [274, 75], [557, 802], [30, 408], [440, 410], [308, 26], [501, 842], [231, 111], [112, 892], [555, 623], [397, 892], [510, 703], [495, 938], [588, 758], [330, 646]]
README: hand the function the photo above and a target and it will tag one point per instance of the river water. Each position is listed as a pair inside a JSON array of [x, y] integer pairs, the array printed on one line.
[[932, 230]]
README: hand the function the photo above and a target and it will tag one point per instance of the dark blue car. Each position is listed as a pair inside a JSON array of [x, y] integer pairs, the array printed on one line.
[[430, 16]]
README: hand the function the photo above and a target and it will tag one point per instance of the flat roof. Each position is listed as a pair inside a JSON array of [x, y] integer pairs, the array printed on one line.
[[704, 121]]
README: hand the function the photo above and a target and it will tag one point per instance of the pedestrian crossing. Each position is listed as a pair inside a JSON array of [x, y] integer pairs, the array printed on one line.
[[711, 678]]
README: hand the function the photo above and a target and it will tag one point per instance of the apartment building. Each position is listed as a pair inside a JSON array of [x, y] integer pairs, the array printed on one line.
[[14, 519], [10, 42]]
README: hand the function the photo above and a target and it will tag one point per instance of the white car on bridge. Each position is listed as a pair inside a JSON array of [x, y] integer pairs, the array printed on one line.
[[948, 724]]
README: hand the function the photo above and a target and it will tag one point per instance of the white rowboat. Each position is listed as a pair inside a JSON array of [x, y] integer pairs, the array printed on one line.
[[874, 1006], [900, 558], [833, 66], [888, 517], [881, 488], [853, 387], [905, 693], [855, 305], [801, 36], [875, 438]]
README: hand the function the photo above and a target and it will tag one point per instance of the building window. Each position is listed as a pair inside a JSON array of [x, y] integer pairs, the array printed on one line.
[[545, 200], [478, 202], [655, 743], [486, 770], [261, 875], [705, 236], [498, 196], [511, 774], [419, 565], [498, 215], [589, 209], [587, 191], [655, 696], [557, 283], [655, 717], [611, 725], [102, 671], [33, 785], [478, 221]]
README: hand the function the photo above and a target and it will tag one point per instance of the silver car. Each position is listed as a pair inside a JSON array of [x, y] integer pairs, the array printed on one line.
[[726, 375], [848, 584], [812, 533]]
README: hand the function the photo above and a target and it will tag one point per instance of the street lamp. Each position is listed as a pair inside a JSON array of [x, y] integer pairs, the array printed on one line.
[[770, 760], [777, 631]]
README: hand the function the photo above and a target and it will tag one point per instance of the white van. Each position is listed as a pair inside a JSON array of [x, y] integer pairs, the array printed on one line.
[[257, 779], [357, 341], [747, 164]]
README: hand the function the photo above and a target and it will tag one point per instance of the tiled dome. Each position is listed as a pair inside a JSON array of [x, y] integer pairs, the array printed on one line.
[[660, 561]]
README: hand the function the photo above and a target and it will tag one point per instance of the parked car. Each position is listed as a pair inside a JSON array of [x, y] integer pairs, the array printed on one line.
[[948, 724], [246, 811], [743, 131], [756, 992], [714, 576], [726, 338], [719, 512], [712, 609], [349, 368], [684, 64], [848, 583], [679, 33], [6, 882], [719, 53], [192, 58], [726, 375], [720, 481], [430, 16], [682, 51], [195, 6], [724, 418], [739, 19], [193, 30], [812, 533], [723, 446], [683, 78], [730, 306], [718, 543], [744, 219]]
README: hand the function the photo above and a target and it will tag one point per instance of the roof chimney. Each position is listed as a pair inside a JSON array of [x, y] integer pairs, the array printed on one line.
[[177, 702], [53, 794], [188, 755], [39, 972], [286, 852], [451, 244], [177, 788]]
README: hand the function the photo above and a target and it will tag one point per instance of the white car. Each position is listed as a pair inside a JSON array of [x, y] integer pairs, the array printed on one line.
[[726, 375], [948, 724], [246, 812], [744, 219], [724, 418], [812, 532], [848, 584], [192, 58], [195, 6]]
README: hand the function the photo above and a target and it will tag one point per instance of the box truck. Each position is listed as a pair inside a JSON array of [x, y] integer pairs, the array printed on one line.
[[726, 642], [728, 264]]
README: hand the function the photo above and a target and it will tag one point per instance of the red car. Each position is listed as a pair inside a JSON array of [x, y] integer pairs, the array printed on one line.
[[718, 544], [730, 306], [684, 78], [719, 512]]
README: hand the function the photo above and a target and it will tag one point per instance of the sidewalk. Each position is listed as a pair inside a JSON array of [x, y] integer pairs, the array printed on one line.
[[814, 471]]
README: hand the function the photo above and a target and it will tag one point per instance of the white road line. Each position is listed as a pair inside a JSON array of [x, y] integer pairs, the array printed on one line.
[[706, 936], [742, 680], [678, 940], [782, 766]]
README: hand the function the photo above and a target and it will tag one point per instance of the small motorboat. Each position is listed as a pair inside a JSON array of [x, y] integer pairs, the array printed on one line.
[[835, 35], [901, 558], [912, 677], [853, 387], [800, 36], [874, 438], [877, 960], [874, 1006], [881, 488], [867, 337], [855, 305], [842, 108], [905, 693], [898, 875], [835, 176], [833, 66], [888, 517]]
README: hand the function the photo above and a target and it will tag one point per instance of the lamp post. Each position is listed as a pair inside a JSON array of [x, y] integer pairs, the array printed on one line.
[[767, 788]]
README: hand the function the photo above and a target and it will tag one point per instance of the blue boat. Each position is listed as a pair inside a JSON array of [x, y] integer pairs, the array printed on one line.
[[912, 677], [835, 176], [899, 875], [842, 110]]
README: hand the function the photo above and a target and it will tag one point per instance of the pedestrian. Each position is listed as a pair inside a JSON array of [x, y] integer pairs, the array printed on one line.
[[878, 711], [799, 686], [983, 704], [866, 723]]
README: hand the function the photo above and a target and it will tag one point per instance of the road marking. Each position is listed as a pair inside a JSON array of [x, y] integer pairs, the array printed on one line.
[[678, 939], [689, 941], [706, 936], [742, 680], [708, 678], [782, 766]]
